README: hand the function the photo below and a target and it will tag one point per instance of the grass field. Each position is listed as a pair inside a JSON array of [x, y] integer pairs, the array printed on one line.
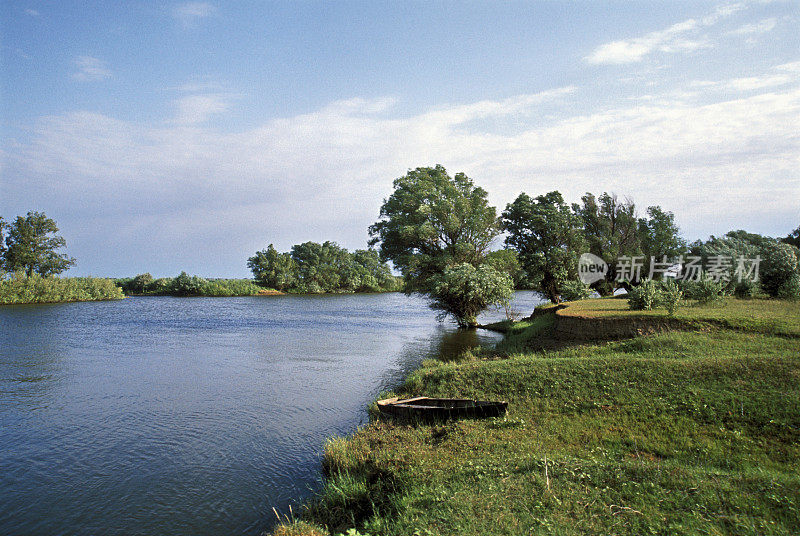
[[692, 432]]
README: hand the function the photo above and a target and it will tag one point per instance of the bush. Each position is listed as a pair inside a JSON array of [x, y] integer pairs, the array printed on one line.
[[790, 289], [183, 285], [705, 291], [575, 290], [671, 296], [463, 291], [645, 297], [780, 269], [19, 288], [746, 288], [651, 295]]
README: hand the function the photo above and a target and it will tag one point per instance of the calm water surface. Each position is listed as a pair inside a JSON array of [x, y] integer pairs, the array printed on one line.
[[196, 415]]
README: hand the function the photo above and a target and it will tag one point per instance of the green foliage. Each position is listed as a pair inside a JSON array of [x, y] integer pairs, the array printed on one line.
[[548, 238], [315, 268], [30, 244], [780, 268], [272, 269], [35, 288], [790, 289], [671, 295], [184, 285], [651, 294], [229, 288], [611, 230], [746, 288], [645, 296], [779, 261], [575, 290], [793, 238], [433, 222], [463, 291], [705, 290], [507, 262], [659, 237]]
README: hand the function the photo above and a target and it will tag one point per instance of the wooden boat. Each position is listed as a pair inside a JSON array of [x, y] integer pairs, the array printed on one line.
[[440, 408]]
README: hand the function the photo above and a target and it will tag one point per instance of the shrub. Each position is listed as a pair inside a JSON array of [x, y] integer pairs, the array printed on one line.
[[671, 295], [20, 288], [463, 291], [780, 268], [790, 289], [705, 290], [746, 288], [645, 297], [183, 285], [574, 290]]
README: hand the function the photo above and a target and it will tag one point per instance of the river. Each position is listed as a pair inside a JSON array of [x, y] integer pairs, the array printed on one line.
[[159, 415]]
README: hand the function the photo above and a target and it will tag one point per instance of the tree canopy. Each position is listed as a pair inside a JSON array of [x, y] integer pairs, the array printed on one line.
[[327, 267], [431, 223], [660, 237], [793, 238], [548, 237], [30, 245], [611, 231]]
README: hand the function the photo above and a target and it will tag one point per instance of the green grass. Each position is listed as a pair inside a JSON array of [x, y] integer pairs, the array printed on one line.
[[694, 432], [18, 289], [759, 315]]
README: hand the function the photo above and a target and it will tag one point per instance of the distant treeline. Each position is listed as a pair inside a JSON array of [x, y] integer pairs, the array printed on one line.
[[186, 285], [35, 288], [311, 267]]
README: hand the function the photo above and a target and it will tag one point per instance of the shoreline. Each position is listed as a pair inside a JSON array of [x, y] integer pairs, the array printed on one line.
[[373, 486]]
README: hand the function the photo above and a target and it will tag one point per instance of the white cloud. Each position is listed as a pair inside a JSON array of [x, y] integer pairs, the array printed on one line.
[[194, 109], [778, 76], [90, 69], [764, 26], [681, 37], [32, 12], [190, 14], [322, 175]]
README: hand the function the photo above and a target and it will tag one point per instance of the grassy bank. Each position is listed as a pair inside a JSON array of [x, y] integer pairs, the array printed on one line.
[[690, 432], [18, 288]]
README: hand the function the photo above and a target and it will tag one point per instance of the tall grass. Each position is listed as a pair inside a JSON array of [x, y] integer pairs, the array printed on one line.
[[185, 285], [19, 288]]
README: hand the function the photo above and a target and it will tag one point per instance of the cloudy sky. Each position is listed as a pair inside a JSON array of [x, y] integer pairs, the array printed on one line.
[[185, 136]]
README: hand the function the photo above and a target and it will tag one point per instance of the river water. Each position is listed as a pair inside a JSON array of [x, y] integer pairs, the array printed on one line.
[[158, 415]]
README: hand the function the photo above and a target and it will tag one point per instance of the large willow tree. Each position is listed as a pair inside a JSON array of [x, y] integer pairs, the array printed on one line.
[[432, 227]]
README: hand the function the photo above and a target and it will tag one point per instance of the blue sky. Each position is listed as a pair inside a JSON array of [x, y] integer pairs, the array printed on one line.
[[185, 136]]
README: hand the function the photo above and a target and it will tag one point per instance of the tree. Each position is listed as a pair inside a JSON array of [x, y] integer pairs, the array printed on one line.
[[272, 269], [433, 222], [778, 268], [140, 283], [660, 237], [548, 237], [320, 267], [184, 285], [463, 291], [506, 261], [793, 238], [374, 275], [31, 245], [611, 232]]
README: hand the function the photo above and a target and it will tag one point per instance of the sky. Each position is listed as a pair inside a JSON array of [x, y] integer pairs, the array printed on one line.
[[169, 136]]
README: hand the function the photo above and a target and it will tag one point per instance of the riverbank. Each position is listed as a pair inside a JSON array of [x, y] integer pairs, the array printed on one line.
[[20, 289], [691, 429]]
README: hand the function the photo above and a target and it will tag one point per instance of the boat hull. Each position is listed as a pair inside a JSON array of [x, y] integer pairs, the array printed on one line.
[[441, 408]]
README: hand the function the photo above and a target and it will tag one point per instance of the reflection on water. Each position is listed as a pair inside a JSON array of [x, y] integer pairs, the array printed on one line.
[[169, 415]]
